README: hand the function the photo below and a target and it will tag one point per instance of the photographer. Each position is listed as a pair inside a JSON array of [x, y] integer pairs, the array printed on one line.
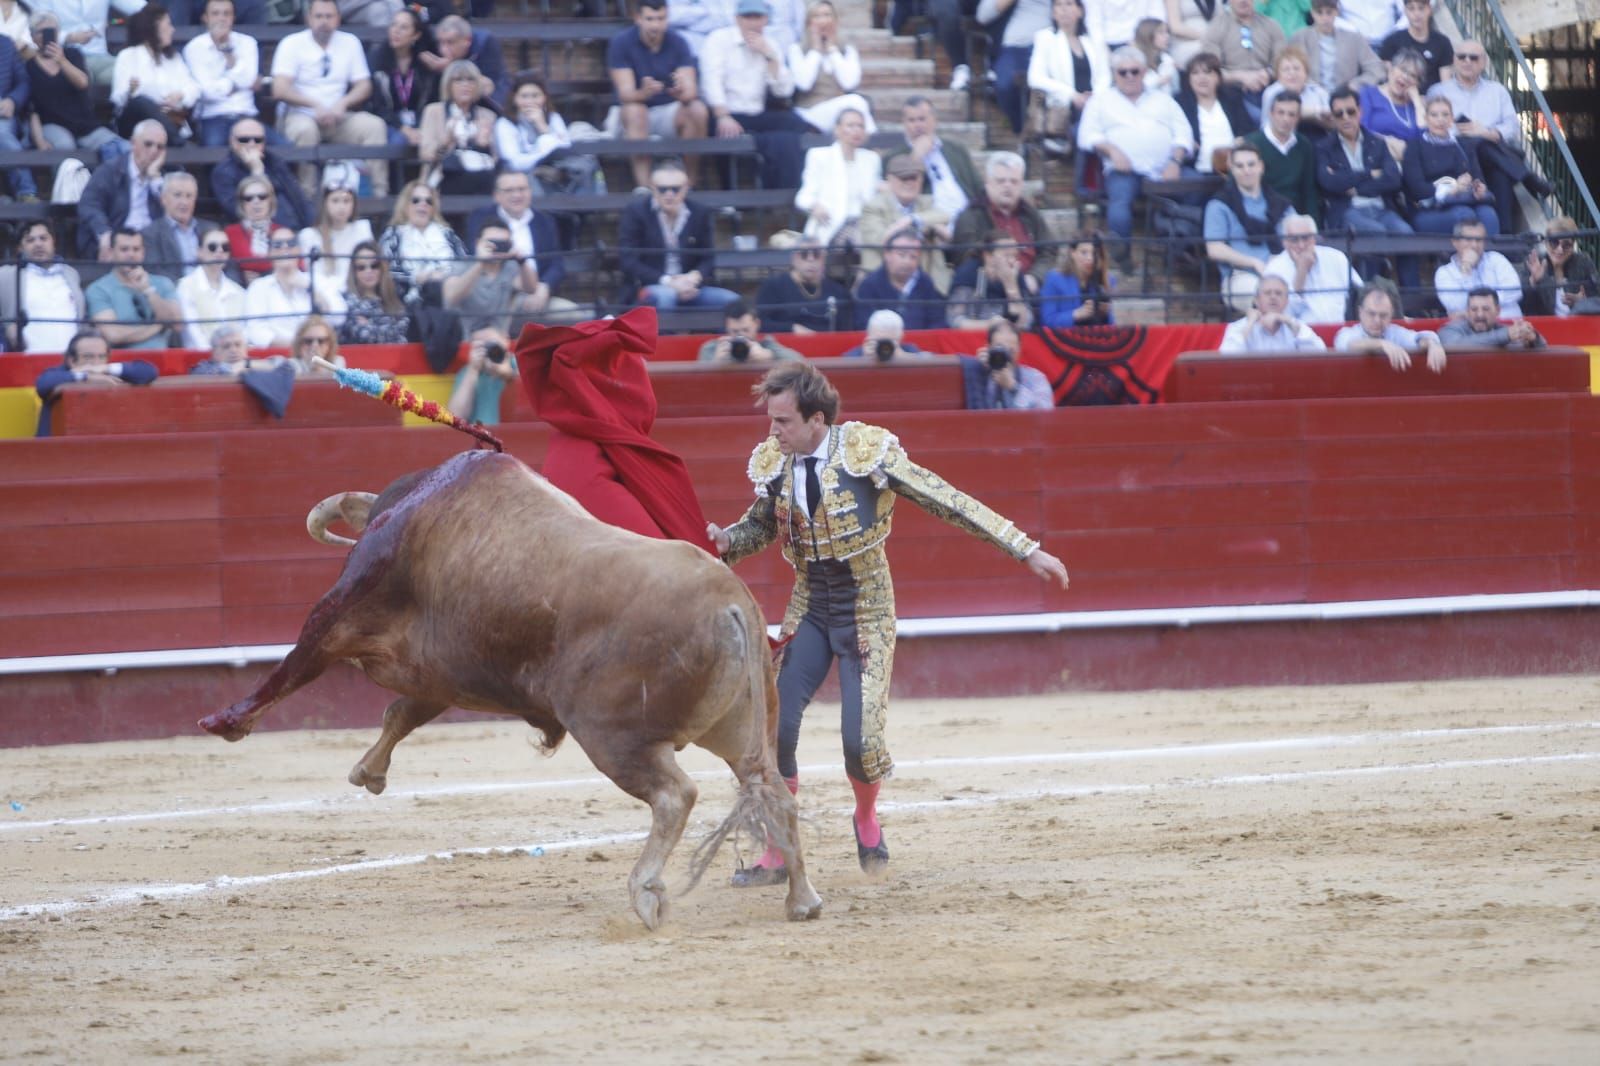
[[741, 341], [993, 288], [490, 364], [885, 340], [998, 382], [488, 290]]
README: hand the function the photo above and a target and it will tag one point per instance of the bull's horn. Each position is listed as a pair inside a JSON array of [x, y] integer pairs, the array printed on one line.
[[318, 517]]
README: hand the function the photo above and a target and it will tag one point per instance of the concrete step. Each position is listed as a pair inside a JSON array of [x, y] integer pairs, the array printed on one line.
[[876, 44], [949, 106], [896, 73]]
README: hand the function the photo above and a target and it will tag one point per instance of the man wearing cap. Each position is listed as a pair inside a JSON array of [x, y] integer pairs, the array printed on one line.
[[1337, 56], [903, 204], [741, 65]]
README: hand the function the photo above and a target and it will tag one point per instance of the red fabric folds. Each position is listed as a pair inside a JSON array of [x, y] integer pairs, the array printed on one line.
[[589, 382]]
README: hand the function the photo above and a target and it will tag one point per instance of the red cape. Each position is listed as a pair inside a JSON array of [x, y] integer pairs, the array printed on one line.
[[590, 383]]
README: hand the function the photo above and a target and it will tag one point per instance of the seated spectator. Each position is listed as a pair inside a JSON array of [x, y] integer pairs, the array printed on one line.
[[330, 243], [741, 66], [1493, 128], [697, 20], [14, 25], [803, 299], [1290, 15], [1188, 21], [667, 246], [276, 304], [421, 247], [952, 176], [227, 70], [1360, 181], [172, 242], [249, 157], [124, 193], [902, 204], [230, 356], [1023, 19], [1376, 333], [14, 89], [482, 382], [741, 340], [1152, 38], [1319, 278], [1216, 112], [1433, 49], [1294, 76], [1004, 207], [1066, 65], [251, 236], [1480, 326], [1241, 224], [132, 307], [1336, 57], [1269, 326], [374, 312], [58, 86], [839, 180], [402, 85], [1558, 280], [1474, 268], [657, 81], [41, 298], [314, 339], [321, 78], [1393, 110], [533, 233], [500, 283], [993, 288], [207, 298], [827, 71], [534, 140], [1444, 184], [899, 285], [368, 12], [87, 361], [1289, 160], [458, 135], [150, 80], [1248, 44], [1138, 135], [1372, 19], [1075, 292], [885, 340], [458, 42], [1007, 384], [83, 26]]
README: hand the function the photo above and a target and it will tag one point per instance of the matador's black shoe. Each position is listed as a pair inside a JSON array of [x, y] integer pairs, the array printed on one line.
[[874, 860], [759, 876]]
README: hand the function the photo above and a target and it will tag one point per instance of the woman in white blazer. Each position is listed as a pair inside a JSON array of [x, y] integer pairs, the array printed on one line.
[[150, 79], [1066, 66], [838, 181]]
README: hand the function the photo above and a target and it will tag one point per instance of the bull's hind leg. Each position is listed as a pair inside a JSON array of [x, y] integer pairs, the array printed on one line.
[[650, 773], [404, 715]]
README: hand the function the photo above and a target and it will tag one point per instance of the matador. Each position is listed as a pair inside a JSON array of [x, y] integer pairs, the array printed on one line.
[[826, 493]]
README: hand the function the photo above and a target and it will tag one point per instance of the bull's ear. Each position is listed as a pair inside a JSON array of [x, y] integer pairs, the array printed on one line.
[[356, 508]]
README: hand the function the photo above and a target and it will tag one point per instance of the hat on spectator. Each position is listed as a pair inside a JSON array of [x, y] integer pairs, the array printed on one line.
[[904, 165], [1326, 3], [752, 7]]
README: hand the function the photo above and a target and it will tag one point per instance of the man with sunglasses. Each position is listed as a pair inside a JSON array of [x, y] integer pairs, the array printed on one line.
[[1360, 182], [803, 299], [249, 156], [126, 191], [1248, 44], [208, 298], [1487, 120], [667, 246], [132, 307]]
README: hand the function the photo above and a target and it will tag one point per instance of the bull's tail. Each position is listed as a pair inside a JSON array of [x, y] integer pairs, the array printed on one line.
[[354, 507], [762, 808]]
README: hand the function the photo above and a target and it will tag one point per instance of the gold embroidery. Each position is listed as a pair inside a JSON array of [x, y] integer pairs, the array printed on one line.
[[864, 447], [766, 462]]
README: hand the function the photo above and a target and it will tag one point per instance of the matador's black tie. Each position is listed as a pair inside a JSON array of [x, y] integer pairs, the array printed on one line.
[[813, 486]]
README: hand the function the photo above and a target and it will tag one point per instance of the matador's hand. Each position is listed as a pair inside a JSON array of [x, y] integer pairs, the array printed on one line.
[[1047, 566], [718, 536]]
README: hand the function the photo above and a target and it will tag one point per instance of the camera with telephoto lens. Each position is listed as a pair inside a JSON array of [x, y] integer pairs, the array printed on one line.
[[500, 245], [999, 358], [495, 352], [884, 350], [739, 349]]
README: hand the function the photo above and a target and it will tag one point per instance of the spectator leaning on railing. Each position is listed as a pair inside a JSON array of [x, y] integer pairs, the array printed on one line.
[[1376, 333], [41, 298], [1480, 327], [87, 360]]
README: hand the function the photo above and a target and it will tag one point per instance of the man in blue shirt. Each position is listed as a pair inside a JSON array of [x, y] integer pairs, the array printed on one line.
[[132, 307], [1377, 334], [899, 285], [657, 82], [1241, 225]]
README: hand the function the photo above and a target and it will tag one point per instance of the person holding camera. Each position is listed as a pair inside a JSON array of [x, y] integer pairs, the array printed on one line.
[[1074, 293], [1006, 384], [885, 340], [479, 384], [993, 287], [741, 341], [498, 284]]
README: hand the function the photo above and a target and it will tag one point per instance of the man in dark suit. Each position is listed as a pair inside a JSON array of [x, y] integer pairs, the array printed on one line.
[[667, 257], [124, 193], [249, 157], [172, 242], [533, 233], [1360, 183], [953, 179], [899, 285]]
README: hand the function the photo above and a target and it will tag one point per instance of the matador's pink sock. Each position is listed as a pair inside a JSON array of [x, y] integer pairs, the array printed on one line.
[[867, 812], [772, 858]]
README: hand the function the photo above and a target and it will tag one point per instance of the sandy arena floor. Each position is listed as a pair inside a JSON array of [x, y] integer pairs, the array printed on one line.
[[1402, 874]]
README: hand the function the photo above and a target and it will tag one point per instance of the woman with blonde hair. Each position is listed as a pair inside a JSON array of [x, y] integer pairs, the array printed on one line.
[[457, 139], [1153, 40], [255, 201], [314, 338], [1561, 278], [276, 304], [420, 247], [839, 179], [374, 312], [826, 72], [1292, 72], [337, 233]]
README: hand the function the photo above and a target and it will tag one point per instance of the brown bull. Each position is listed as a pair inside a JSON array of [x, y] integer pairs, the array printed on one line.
[[478, 584]]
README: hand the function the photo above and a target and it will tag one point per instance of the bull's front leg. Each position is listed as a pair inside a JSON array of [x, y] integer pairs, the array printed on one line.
[[404, 715]]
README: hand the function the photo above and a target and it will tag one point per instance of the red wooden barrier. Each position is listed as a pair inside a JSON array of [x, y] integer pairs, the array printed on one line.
[[1201, 377], [207, 405]]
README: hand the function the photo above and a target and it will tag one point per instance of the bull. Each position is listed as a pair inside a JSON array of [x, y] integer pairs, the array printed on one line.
[[478, 584]]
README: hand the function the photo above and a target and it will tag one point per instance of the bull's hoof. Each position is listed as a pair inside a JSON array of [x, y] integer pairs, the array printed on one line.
[[759, 876], [223, 726], [650, 904], [805, 910], [373, 783]]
